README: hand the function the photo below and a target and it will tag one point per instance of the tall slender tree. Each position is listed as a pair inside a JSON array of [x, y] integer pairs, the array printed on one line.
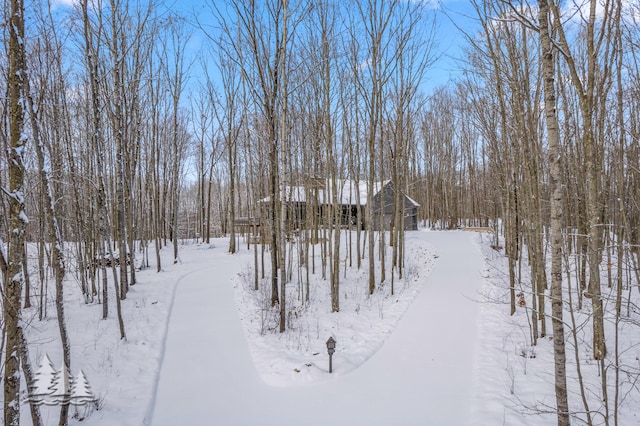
[[57, 242], [14, 277], [589, 86], [258, 38], [556, 202]]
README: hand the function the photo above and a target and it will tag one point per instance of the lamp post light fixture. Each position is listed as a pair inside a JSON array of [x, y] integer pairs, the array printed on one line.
[[331, 348]]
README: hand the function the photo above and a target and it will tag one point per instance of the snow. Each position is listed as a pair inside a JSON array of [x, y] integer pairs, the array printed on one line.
[[442, 350], [361, 327], [421, 373], [23, 217], [347, 192], [3, 252]]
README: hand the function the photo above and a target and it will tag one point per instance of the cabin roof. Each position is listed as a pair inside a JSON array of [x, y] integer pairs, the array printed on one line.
[[347, 192]]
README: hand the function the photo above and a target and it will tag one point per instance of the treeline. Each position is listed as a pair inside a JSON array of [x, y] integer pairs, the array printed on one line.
[[551, 89]]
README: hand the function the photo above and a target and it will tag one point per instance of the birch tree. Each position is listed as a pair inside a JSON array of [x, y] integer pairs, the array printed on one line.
[[57, 242], [589, 87], [15, 193], [556, 202]]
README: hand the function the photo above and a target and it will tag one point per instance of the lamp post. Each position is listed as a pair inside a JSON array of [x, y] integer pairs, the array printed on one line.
[[331, 348]]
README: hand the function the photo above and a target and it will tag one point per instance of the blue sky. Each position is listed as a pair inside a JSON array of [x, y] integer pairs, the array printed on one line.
[[451, 15]]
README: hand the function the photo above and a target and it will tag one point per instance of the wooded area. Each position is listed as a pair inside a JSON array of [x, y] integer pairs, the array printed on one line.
[[128, 127]]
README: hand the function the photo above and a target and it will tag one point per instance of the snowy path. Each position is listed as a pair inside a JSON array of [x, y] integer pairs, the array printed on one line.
[[423, 374]]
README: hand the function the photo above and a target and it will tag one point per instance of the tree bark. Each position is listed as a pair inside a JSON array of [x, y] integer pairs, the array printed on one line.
[[14, 278], [57, 252], [556, 202]]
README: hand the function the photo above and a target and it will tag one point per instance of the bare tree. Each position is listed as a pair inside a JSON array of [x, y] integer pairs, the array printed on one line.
[[95, 80], [14, 278], [175, 70], [57, 242], [259, 40], [414, 38], [229, 112], [588, 89], [556, 201], [376, 18]]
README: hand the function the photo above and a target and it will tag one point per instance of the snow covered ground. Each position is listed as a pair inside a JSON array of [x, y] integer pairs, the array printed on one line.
[[422, 374], [200, 349]]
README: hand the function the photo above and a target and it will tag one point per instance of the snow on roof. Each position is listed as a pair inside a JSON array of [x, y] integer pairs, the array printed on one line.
[[347, 192], [412, 201]]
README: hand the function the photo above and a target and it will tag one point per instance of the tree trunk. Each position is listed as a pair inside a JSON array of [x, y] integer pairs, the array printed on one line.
[[36, 418], [18, 218], [556, 201], [585, 85], [57, 253]]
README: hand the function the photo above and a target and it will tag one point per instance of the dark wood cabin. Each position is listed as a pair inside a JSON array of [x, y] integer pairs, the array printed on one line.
[[302, 201], [383, 202]]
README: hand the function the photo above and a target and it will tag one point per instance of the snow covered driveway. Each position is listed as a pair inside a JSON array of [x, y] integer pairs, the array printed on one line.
[[422, 375]]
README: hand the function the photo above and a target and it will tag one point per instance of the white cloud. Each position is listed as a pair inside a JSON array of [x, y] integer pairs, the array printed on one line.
[[63, 3]]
